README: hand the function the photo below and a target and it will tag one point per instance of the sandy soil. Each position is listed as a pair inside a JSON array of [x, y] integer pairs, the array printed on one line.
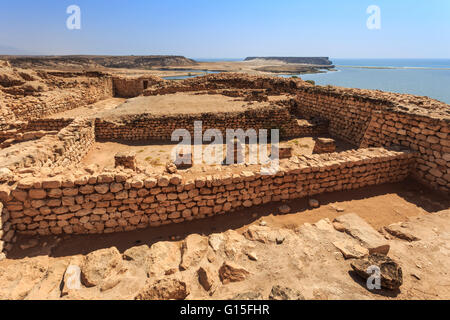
[[377, 205], [260, 67], [159, 154], [307, 259], [89, 110], [184, 103]]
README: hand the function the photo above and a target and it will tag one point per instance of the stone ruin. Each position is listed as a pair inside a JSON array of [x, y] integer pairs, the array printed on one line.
[[126, 160], [324, 145], [44, 190]]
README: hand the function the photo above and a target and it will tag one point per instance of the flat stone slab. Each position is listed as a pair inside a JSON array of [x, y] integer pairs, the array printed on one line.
[[351, 250], [401, 231], [359, 229]]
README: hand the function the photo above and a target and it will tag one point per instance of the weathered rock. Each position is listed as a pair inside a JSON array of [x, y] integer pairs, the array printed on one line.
[[399, 231], [18, 279], [350, 249], [337, 208], [313, 203], [234, 244], [252, 256], [99, 265], [139, 254], [205, 277], [231, 272], [193, 250], [356, 227], [215, 241], [248, 296], [124, 284], [72, 279], [49, 287], [266, 234], [164, 289], [164, 258], [171, 167], [390, 272], [285, 293], [284, 209]]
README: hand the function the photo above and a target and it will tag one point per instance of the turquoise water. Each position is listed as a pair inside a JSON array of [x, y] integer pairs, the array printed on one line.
[[421, 77], [399, 63]]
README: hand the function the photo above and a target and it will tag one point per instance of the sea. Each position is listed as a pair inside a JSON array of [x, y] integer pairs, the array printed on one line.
[[423, 77]]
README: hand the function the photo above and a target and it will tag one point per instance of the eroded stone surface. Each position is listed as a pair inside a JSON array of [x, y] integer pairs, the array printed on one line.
[[391, 274], [352, 224]]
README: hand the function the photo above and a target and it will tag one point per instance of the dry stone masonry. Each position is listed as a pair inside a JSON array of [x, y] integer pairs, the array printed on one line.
[[150, 127], [126, 160], [324, 145], [123, 200], [43, 190]]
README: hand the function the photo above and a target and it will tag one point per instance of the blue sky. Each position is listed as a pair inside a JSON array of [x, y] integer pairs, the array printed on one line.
[[230, 28]]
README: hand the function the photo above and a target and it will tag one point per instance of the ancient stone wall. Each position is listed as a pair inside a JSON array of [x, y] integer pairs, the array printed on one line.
[[365, 121], [226, 81], [48, 124], [133, 87], [52, 200], [348, 116], [115, 201], [429, 137], [20, 128], [63, 149], [76, 140], [6, 115], [6, 230], [150, 127], [61, 94]]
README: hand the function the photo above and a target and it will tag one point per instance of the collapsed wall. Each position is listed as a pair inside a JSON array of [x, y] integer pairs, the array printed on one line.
[[27, 95], [123, 200], [67, 147]]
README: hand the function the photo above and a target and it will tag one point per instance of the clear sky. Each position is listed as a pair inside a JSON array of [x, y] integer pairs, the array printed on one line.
[[229, 28]]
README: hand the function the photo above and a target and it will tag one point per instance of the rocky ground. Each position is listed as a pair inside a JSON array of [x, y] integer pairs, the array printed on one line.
[[326, 259]]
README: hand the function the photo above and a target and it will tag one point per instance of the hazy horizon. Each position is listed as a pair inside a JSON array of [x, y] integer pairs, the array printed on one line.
[[210, 58]]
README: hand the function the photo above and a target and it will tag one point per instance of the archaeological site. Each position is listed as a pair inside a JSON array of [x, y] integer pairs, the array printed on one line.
[[94, 206]]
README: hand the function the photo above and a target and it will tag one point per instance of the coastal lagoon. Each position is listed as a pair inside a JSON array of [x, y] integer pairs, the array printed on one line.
[[423, 77]]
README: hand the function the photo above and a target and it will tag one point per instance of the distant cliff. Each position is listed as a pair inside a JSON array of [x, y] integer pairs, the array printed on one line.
[[325, 61], [89, 62]]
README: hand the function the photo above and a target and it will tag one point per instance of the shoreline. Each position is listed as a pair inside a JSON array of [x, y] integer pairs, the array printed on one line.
[[387, 67]]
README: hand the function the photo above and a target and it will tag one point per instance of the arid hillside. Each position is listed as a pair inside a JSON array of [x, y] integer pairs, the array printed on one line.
[[97, 62], [301, 60]]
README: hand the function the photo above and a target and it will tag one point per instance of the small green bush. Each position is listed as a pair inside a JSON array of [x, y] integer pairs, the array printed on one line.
[[311, 82]]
